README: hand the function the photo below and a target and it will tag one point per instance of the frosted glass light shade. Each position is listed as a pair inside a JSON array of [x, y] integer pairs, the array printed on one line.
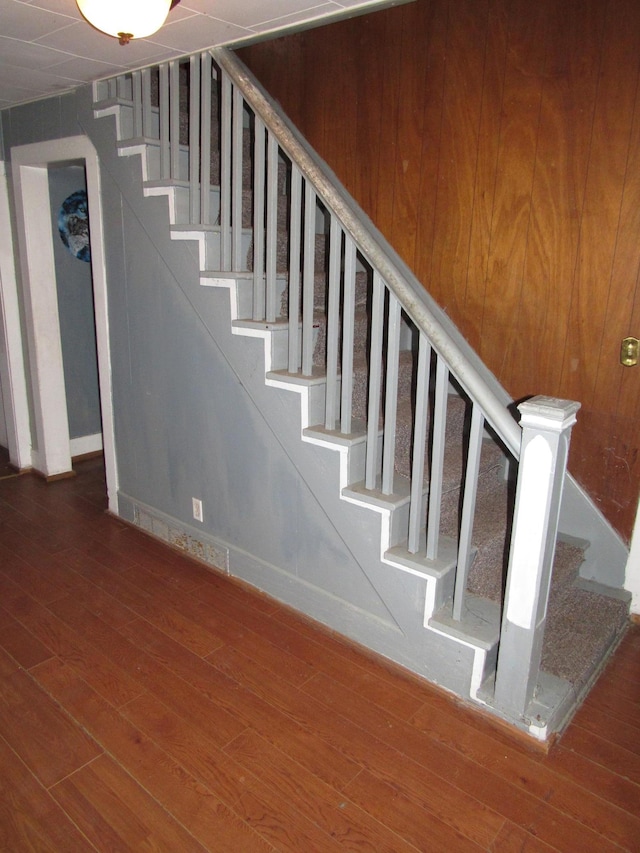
[[125, 19]]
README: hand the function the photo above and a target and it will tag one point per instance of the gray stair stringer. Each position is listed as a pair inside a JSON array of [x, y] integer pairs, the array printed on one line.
[[442, 660]]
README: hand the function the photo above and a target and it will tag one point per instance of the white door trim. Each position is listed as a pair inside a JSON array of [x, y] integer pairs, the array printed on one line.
[[12, 375], [35, 240]]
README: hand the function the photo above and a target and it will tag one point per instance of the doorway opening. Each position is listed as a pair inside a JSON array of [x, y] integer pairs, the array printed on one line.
[[48, 435]]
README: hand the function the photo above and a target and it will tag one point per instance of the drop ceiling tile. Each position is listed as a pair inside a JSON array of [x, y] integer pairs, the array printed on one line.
[[32, 78], [198, 32], [28, 54], [22, 21], [62, 7], [83, 40], [13, 94], [250, 12], [295, 18], [82, 70]]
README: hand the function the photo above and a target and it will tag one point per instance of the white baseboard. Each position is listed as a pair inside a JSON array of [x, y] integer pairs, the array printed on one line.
[[86, 444]]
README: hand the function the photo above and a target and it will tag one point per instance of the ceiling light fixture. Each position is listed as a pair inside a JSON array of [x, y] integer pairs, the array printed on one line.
[[125, 19]]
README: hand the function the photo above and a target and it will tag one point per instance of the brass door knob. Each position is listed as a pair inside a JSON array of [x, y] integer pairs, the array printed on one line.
[[629, 351]]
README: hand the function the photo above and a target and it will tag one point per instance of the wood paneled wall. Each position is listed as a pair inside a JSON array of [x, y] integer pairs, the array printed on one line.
[[496, 144]]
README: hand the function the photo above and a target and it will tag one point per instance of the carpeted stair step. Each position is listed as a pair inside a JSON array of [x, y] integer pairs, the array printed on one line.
[[282, 257], [361, 331], [361, 373], [493, 512], [456, 415], [582, 624]]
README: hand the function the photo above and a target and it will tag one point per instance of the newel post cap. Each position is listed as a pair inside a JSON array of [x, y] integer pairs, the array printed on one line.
[[549, 413]]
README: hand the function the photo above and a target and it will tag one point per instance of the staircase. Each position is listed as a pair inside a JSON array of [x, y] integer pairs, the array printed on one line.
[[427, 446]]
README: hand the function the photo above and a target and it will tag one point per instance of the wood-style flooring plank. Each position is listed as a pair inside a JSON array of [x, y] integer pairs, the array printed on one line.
[[399, 812], [213, 824], [515, 839], [160, 561], [115, 813], [27, 572], [146, 671], [242, 592], [20, 643], [608, 785], [481, 749], [451, 807], [599, 748], [153, 600], [39, 731], [245, 705], [345, 821], [101, 603], [621, 700], [291, 637], [271, 814], [616, 718], [71, 647], [30, 819]]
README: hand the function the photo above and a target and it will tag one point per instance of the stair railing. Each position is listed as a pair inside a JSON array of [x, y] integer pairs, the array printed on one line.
[[203, 149], [396, 295]]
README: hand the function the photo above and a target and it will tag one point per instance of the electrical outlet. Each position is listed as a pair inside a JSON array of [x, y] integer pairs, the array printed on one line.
[[197, 509]]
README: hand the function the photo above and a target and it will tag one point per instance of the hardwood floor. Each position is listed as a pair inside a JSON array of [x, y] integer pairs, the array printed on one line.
[[147, 703]]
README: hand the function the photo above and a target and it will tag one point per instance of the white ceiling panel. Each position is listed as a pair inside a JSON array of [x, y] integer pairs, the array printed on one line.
[[198, 32], [251, 12], [78, 68], [47, 47], [24, 22], [273, 25], [28, 54]]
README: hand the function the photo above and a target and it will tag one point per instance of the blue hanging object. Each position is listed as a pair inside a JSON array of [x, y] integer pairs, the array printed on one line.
[[73, 225]]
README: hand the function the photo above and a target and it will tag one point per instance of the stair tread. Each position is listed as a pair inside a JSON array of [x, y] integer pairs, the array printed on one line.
[[581, 624], [480, 621]]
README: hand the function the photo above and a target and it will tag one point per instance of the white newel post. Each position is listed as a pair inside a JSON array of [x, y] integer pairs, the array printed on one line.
[[546, 430]]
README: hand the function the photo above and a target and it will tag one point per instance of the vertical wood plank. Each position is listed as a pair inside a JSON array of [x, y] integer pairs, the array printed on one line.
[[369, 121], [566, 117], [432, 74], [526, 29], [485, 175], [605, 181], [461, 120], [389, 100], [405, 170]]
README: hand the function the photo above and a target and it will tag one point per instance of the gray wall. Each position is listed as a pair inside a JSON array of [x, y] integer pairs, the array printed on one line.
[[75, 309]]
